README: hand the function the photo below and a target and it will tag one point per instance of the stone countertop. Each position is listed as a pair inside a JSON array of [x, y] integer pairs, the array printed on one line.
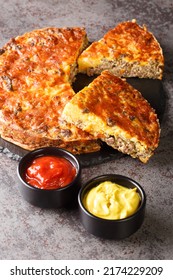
[[28, 232]]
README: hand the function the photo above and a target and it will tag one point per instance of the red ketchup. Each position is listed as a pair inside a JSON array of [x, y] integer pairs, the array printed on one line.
[[50, 172]]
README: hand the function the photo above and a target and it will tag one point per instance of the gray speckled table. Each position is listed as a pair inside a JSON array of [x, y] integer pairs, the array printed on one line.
[[28, 232]]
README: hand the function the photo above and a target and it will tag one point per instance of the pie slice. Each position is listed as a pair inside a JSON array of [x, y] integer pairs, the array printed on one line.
[[128, 50], [36, 72], [112, 110]]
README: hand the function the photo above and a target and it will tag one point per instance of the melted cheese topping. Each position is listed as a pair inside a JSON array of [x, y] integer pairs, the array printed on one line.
[[36, 71]]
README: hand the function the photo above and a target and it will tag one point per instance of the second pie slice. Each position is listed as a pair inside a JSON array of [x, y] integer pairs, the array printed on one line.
[[112, 110], [128, 50]]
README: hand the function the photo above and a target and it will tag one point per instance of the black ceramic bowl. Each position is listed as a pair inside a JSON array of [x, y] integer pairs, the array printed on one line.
[[111, 229], [53, 198]]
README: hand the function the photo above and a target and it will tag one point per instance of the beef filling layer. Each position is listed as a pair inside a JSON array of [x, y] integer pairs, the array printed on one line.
[[122, 68]]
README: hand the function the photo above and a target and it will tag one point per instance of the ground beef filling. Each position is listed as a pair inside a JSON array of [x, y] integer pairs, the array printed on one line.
[[122, 68], [128, 147]]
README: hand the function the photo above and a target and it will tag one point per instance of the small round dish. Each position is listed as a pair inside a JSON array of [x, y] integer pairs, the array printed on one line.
[[112, 228], [49, 198]]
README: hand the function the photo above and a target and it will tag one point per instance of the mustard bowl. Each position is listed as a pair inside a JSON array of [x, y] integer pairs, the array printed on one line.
[[112, 228]]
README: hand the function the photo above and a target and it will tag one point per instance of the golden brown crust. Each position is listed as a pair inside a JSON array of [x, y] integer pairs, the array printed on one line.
[[128, 50], [36, 70], [28, 141], [111, 108]]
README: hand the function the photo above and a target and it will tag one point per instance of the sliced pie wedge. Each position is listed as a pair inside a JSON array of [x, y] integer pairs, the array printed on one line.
[[112, 110], [128, 50]]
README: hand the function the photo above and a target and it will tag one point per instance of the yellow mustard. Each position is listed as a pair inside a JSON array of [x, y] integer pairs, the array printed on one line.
[[112, 201]]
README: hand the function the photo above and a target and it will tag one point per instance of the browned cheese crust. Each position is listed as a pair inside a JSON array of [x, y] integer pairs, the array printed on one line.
[[128, 50], [36, 70], [112, 110]]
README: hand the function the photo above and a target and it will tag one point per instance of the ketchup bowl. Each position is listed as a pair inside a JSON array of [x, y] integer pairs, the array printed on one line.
[[100, 213], [49, 177]]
